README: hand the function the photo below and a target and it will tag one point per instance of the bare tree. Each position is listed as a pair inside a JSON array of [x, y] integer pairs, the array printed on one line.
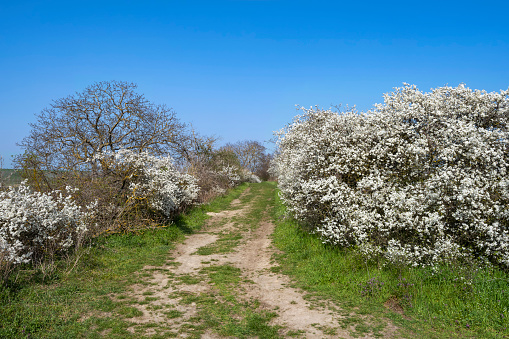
[[106, 116], [250, 153]]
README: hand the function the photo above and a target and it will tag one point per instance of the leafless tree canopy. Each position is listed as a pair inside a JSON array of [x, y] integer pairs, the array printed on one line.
[[250, 153], [105, 116]]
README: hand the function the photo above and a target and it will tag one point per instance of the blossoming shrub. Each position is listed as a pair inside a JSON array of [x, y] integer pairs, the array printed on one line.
[[236, 175], [420, 179], [217, 171], [231, 175], [248, 176], [35, 225], [149, 183]]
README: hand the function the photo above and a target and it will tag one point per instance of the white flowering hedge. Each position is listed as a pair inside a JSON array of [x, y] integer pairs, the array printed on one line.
[[229, 174], [36, 225], [420, 179], [236, 175], [152, 180], [248, 176]]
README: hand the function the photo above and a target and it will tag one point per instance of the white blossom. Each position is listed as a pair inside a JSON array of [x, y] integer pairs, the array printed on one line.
[[419, 179], [34, 223], [155, 179]]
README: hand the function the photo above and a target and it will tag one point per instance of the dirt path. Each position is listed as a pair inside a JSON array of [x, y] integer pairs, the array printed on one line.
[[223, 282]]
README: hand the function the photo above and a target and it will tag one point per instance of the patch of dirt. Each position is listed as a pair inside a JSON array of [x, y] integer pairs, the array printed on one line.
[[393, 304], [162, 288]]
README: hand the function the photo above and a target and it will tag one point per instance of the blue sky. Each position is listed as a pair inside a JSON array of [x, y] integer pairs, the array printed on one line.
[[236, 69]]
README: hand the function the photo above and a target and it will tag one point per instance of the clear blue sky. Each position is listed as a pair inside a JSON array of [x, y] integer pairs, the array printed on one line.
[[236, 69]]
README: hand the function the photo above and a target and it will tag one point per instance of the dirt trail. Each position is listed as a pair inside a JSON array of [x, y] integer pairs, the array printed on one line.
[[166, 297]]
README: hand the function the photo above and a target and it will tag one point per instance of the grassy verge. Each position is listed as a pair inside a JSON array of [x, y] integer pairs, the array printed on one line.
[[453, 301], [70, 301]]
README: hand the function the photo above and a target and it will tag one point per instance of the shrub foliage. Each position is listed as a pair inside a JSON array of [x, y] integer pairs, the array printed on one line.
[[35, 225], [150, 182], [420, 179]]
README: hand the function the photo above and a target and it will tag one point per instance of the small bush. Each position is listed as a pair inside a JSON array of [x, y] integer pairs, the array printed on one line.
[[148, 187], [34, 226]]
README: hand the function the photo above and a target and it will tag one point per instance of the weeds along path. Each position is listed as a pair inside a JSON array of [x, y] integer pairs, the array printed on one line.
[[223, 282]]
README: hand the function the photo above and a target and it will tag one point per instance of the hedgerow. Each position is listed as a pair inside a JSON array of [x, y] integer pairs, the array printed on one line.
[[418, 180]]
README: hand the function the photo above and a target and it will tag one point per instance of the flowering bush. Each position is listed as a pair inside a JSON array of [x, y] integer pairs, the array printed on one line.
[[152, 180], [248, 176], [35, 225], [230, 174], [236, 175], [420, 179]]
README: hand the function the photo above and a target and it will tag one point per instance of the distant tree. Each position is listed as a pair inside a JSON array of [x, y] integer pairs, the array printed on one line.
[[106, 116], [262, 170], [250, 153]]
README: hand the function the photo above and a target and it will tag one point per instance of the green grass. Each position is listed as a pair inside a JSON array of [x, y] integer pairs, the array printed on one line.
[[453, 301], [172, 314], [129, 311], [10, 177], [225, 244], [190, 279], [73, 303], [229, 315], [195, 219], [229, 240], [263, 204], [224, 311]]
